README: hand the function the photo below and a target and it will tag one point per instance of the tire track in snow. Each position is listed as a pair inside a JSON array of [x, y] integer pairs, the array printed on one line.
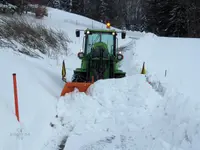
[[63, 142], [98, 145]]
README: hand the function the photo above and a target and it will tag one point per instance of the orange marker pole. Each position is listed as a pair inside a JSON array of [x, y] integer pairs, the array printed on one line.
[[15, 96]]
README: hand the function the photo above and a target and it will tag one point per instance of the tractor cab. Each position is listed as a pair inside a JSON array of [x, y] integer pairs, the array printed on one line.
[[97, 39], [106, 39]]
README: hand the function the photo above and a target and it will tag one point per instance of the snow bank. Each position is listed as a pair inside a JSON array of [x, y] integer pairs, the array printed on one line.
[[107, 113], [179, 109], [38, 87], [179, 57], [125, 113]]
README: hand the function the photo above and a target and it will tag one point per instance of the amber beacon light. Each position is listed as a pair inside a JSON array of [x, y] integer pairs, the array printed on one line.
[[108, 25]]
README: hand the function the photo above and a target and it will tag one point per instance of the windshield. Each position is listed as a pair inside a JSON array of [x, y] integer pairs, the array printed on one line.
[[99, 37]]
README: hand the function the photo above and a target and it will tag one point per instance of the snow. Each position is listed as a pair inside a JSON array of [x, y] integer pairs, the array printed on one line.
[[32, 103], [179, 57], [151, 111]]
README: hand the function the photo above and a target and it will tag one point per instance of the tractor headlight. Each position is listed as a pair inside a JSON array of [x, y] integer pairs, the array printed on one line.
[[120, 56], [80, 55], [88, 32]]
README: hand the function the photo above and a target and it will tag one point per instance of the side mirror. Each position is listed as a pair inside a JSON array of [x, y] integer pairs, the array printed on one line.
[[80, 55], [77, 33], [123, 35]]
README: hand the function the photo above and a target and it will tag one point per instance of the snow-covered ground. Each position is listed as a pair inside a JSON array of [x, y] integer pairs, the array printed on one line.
[[117, 114]]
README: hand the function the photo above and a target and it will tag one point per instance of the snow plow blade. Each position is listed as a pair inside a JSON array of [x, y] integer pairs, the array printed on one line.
[[70, 86]]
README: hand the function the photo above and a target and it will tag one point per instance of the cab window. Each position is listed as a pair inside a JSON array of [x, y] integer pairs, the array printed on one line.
[[106, 38]]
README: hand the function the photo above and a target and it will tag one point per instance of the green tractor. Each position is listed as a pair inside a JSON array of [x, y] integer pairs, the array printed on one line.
[[100, 59]]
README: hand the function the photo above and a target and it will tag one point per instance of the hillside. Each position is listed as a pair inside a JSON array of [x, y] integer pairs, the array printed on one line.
[[118, 114]]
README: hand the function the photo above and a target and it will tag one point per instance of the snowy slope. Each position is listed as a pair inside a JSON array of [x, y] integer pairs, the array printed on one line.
[[115, 114]]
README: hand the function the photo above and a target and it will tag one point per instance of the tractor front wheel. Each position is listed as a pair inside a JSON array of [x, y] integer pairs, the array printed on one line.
[[79, 77], [119, 75]]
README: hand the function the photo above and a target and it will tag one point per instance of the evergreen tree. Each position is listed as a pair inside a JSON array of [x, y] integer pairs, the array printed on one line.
[[91, 8], [65, 5], [165, 18], [177, 25], [78, 6], [112, 10], [151, 15], [103, 11], [56, 3]]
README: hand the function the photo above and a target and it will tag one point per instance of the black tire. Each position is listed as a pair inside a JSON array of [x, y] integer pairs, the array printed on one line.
[[119, 75], [79, 77]]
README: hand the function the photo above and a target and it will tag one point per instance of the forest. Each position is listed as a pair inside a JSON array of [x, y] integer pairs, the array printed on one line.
[[171, 18]]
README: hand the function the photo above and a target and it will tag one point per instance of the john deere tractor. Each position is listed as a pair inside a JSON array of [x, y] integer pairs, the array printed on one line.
[[100, 59]]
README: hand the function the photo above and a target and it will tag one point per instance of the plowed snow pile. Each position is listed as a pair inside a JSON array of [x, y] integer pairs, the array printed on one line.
[[123, 114], [112, 108]]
